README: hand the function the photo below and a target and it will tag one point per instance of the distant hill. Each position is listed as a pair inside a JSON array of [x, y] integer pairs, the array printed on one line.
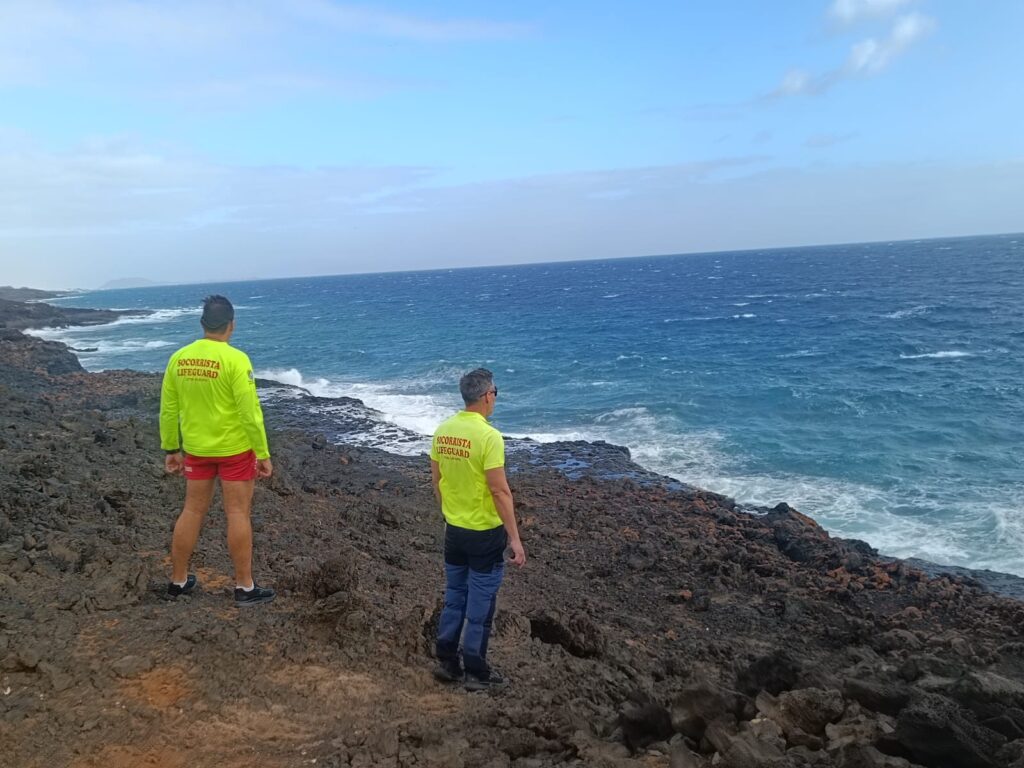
[[26, 294], [128, 282]]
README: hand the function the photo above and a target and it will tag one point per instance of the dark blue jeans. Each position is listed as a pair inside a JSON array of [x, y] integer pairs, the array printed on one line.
[[474, 567]]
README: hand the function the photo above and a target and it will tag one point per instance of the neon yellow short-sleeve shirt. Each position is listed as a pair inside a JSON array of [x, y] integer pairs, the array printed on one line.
[[465, 447], [209, 395]]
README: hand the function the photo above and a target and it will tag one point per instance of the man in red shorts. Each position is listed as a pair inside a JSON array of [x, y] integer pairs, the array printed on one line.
[[209, 408]]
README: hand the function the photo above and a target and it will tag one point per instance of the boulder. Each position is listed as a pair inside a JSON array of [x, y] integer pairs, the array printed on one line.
[[877, 695], [774, 673], [805, 711], [987, 694], [644, 724], [937, 732]]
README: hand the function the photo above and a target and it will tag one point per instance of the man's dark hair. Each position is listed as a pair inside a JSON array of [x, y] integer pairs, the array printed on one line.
[[475, 384], [217, 313]]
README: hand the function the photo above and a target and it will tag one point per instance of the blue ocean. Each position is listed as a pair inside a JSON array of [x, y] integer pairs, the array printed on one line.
[[876, 387]]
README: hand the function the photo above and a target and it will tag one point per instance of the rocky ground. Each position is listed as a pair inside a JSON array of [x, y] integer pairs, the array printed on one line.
[[653, 625]]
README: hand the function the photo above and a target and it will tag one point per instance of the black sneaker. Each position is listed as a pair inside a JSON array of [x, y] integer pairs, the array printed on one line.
[[448, 671], [177, 590], [255, 596], [489, 681]]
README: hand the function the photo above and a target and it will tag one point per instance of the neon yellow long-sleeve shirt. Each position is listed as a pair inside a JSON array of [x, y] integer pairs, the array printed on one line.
[[209, 396]]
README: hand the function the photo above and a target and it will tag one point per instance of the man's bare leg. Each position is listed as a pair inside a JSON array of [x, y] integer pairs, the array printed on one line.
[[237, 509], [198, 494]]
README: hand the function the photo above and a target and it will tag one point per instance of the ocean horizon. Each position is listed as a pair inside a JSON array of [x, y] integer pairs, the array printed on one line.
[[875, 387]]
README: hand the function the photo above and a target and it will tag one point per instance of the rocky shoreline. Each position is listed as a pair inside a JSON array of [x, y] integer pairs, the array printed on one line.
[[653, 625], [21, 315]]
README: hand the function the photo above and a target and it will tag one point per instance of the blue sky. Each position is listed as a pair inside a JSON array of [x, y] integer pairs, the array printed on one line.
[[189, 140]]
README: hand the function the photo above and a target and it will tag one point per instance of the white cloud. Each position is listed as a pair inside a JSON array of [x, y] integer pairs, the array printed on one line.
[[868, 57], [795, 82], [852, 11], [872, 56]]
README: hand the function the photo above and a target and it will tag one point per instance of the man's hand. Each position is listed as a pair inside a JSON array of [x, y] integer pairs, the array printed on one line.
[[264, 468], [518, 553], [174, 463]]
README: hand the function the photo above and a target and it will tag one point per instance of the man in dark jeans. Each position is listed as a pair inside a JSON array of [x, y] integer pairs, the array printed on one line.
[[467, 464]]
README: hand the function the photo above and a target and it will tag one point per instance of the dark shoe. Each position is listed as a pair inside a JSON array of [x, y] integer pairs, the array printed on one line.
[[448, 671], [175, 590], [489, 681], [255, 596]]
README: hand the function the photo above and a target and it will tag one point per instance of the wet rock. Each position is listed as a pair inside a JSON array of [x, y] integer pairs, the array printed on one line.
[[797, 536]]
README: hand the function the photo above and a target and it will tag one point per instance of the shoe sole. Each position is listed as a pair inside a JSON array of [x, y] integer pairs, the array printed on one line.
[[257, 601], [477, 687], [443, 677]]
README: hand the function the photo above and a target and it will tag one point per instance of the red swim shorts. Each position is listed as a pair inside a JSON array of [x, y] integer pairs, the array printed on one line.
[[241, 466]]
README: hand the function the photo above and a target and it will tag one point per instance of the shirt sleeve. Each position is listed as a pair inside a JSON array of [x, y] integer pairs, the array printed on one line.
[[170, 437], [434, 455], [243, 387], [494, 451]]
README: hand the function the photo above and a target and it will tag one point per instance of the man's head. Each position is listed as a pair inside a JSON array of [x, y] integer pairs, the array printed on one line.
[[218, 316], [478, 391]]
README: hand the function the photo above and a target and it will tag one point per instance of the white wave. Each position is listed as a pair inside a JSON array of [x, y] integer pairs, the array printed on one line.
[[705, 459], [742, 304], [621, 413], [800, 353], [951, 354], [71, 332], [744, 316], [612, 296], [912, 312], [51, 299], [83, 341], [398, 403], [847, 509], [121, 347]]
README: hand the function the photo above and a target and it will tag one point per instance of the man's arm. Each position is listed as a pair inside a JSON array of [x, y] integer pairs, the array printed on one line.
[[243, 387], [435, 479], [170, 436], [502, 496]]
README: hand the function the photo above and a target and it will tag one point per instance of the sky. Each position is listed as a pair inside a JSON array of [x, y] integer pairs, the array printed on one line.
[[242, 139]]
